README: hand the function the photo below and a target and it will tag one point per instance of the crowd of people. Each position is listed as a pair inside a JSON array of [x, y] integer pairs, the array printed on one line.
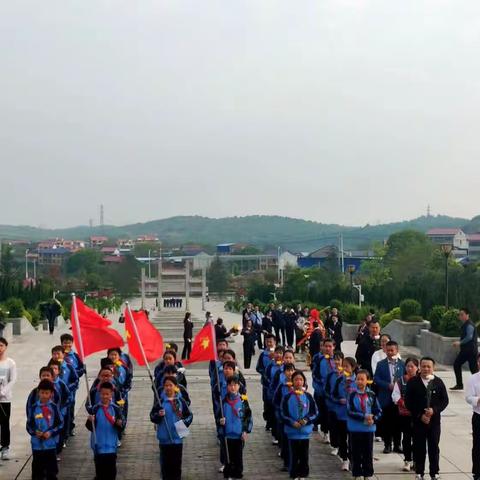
[[353, 402]]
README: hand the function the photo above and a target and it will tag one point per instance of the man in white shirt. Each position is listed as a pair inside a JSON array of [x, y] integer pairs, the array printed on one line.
[[472, 396], [382, 353], [8, 376]]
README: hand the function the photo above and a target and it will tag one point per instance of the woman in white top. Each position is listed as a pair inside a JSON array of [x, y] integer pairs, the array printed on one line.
[[8, 376]]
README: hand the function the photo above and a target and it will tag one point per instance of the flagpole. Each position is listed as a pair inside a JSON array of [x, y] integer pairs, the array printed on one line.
[[82, 356], [214, 336], [137, 337]]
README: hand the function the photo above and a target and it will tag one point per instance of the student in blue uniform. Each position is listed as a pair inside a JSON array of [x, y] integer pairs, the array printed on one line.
[[171, 410], [269, 374], [105, 375], [236, 423], [45, 373], [330, 404], [363, 411], [170, 371], [44, 423], [105, 422], [264, 360], [299, 411], [344, 385], [72, 359]]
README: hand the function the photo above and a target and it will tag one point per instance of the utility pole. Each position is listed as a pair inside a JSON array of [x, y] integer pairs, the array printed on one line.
[[187, 285], [143, 288], [342, 257], [26, 263], [159, 281], [204, 286]]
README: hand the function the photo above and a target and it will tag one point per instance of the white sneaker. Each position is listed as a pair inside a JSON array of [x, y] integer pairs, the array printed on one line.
[[325, 438], [345, 466], [406, 466], [334, 452], [418, 477], [274, 442], [378, 439], [119, 443], [221, 469], [435, 477], [5, 453]]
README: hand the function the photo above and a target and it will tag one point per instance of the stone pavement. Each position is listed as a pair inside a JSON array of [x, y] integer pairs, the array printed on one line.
[[138, 456]]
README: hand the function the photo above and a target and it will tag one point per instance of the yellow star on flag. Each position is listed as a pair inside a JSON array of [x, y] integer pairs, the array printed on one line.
[[205, 343], [127, 335]]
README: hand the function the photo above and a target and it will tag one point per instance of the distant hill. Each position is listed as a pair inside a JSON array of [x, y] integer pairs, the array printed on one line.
[[262, 230]]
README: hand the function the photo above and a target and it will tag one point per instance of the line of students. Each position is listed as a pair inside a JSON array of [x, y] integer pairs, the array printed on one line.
[[50, 409]]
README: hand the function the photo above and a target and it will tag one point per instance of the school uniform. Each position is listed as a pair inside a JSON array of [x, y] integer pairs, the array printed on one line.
[[331, 407], [44, 418], [321, 366], [360, 404], [283, 389], [269, 408], [421, 394], [69, 376], [344, 386], [73, 360], [65, 397], [248, 346], [238, 420], [386, 375], [171, 445], [263, 362], [94, 397], [298, 407], [182, 393], [472, 396], [104, 439], [32, 399]]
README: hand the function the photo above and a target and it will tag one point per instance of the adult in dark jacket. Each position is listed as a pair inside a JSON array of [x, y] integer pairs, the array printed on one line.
[[387, 373], [315, 341], [333, 327], [290, 321], [187, 336], [367, 346], [468, 348], [426, 397], [249, 336], [278, 321]]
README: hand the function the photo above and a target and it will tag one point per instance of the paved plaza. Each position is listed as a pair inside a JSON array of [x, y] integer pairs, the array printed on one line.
[[138, 456]]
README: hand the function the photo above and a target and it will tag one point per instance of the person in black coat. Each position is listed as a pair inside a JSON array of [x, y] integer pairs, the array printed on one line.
[[315, 341], [249, 337], [426, 397], [187, 336], [367, 346], [333, 326], [290, 321], [278, 321]]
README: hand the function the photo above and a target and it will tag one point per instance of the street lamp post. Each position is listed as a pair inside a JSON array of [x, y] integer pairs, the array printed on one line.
[[26, 263], [446, 250], [351, 271]]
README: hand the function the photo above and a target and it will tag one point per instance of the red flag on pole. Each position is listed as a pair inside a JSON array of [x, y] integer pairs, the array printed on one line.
[[204, 348], [141, 333], [91, 332]]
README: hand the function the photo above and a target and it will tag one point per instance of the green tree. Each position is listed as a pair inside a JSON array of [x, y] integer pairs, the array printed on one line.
[[217, 276], [125, 276], [84, 261]]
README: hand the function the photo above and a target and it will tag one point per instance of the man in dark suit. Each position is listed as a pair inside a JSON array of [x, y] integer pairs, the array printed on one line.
[[333, 326], [278, 321], [367, 346], [426, 397], [388, 372]]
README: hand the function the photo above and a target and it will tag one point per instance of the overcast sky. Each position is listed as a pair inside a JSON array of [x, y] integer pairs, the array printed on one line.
[[342, 111]]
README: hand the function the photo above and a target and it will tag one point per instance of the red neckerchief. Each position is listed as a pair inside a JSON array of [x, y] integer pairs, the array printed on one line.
[[175, 408], [232, 404], [47, 413], [363, 401], [110, 418]]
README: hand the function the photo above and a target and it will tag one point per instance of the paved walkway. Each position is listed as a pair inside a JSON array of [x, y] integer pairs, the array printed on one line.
[[138, 456]]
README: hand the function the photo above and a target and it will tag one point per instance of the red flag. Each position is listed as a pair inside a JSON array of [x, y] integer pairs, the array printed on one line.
[[149, 336], [92, 333], [204, 348]]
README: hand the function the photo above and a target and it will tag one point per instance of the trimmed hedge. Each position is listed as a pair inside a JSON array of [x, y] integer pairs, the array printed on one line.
[[410, 308], [435, 317]]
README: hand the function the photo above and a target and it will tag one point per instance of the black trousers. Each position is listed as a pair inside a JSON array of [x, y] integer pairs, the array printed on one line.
[[284, 444], [51, 325], [476, 445], [426, 436], [322, 418], [406, 426], [171, 461], [361, 448], [298, 458], [44, 465], [342, 436], [462, 357], [280, 335], [290, 333], [5, 409], [332, 428], [187, 348], [258, 338], [247, 354], [106, 466], [390, 422], [234, 468]]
